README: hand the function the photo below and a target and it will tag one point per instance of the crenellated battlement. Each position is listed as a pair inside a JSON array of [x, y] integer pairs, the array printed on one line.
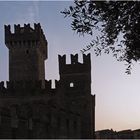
[[28, 86], [25, 36], [2, 87], [25, 29], [12, 88], [75, 66], [19, 85], [49, 84]]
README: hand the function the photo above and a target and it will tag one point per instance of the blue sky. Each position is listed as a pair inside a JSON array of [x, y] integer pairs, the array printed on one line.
[[117, 94]]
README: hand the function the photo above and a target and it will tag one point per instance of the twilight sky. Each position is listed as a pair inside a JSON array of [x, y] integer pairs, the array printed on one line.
[[117, 94]]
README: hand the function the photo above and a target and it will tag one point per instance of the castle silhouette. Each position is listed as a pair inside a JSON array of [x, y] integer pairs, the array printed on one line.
[[29, 106]]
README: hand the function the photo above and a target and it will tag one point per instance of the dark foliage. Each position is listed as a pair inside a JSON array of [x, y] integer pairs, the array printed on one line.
[[112, 19]]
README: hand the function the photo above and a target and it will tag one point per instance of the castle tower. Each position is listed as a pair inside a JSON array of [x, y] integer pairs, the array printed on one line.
[[27, 52], [76, 82], [76, 76]]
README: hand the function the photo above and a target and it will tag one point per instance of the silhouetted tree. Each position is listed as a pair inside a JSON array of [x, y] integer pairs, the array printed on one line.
[[118, 23]]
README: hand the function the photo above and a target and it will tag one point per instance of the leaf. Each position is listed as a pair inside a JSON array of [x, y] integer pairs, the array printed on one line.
[[71, 8]]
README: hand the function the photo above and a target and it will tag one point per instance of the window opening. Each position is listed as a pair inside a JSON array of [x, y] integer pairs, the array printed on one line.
[[71, 85]]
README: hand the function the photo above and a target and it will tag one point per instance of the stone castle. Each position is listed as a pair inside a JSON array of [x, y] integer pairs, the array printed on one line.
[[29, 106]]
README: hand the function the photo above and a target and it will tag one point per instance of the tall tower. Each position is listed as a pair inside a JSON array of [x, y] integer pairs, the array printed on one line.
[[76, 85], [27, 52]]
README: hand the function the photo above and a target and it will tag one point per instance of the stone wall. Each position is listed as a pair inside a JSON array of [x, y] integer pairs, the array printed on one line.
[[29, 106]]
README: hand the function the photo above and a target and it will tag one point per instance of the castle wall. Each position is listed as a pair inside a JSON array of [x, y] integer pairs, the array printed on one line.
[[76, 99], [25, 126], [29, 106], [76, 80]]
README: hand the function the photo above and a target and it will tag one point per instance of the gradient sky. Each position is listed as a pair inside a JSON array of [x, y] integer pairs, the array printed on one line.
[[117, 94]]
